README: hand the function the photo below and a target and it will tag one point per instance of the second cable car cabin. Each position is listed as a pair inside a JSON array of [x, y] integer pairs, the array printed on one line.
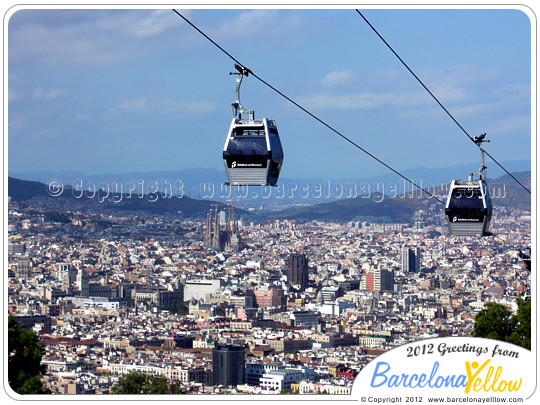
[[468, 207], [252, 153]]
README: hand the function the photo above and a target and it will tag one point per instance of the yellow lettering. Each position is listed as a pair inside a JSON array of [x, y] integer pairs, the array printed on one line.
[[470, 375], [488, 376], [487, 384], [497, 374], [516, 386]]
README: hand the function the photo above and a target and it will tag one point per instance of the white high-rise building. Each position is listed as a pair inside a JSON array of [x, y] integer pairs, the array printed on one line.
[[410, 260], [66, 273], [82, 282], [383, 279]]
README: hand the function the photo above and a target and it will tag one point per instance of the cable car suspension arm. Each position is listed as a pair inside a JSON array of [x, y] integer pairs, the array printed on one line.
[[238, 109], [479, 140]]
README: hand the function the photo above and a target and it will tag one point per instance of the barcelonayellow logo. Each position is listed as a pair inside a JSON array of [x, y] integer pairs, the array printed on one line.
[[456, 366]]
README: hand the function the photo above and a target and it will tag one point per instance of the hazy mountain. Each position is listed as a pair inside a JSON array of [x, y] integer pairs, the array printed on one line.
[[375, 205], [208, 183], [395, 205], [186, 181], [401, 207], [507, 193], [23, 190]]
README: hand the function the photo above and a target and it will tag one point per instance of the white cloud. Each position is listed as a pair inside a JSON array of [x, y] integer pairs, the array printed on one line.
[[450, 94], [260, 25], [139, 24], [513, 94], [458, 76], [157, 23], [166, 106], [85, 36], [363, 101], [105, 37], [472, 109], [338, 77], [43, 95], [128, 106], [14, 96], [61, 45], [516, 124], [246, 24], [194, 107]]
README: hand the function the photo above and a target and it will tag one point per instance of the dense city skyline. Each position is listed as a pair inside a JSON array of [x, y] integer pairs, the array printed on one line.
[[113, 292]]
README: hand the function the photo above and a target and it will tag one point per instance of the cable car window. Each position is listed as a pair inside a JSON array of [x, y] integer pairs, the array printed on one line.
[[467, 204], [275, 143], [466, 198], [247, 146], [240, 131]]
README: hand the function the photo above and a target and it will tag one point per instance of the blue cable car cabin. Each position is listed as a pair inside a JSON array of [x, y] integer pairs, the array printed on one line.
[[468, 208], [252, 154]]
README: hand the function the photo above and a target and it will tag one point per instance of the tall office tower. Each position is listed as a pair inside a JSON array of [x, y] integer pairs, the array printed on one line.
[[83, 282], [228, 365], [367, 282], [23, 268], [410, 260], [297, 269], [66, 274], [383, 279]]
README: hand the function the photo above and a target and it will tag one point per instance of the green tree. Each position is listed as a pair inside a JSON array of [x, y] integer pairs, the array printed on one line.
[[521, 335], [493, 322], [138, 382], [179, 308], [174, 388], [496, 321], [24, 359]]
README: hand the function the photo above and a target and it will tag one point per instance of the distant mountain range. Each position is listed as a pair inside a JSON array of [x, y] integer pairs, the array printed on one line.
[[374, 206], [203, 183], [23, 190], [401, 207], [393, 204]]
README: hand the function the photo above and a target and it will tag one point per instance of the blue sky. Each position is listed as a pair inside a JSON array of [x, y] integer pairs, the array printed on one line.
[[111, 91]]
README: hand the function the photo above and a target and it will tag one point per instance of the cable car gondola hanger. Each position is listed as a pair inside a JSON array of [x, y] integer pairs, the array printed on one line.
[[468, 207], [252, 154]]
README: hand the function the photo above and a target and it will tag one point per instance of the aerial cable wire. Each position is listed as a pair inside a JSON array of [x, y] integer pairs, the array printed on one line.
[[308, 112], [330, 127], [436, 100]]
